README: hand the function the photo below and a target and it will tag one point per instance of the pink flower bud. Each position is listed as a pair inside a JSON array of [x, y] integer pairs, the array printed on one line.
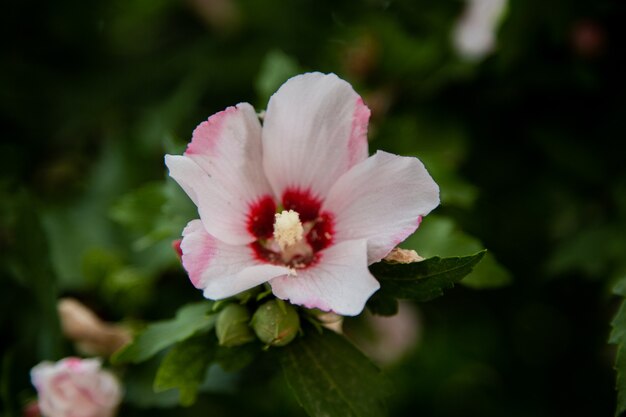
[[75, 387], [176, 246]]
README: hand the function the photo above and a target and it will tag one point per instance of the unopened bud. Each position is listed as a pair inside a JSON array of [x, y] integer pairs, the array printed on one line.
[[232, 326], [328, 319], [274, 324], [176, 246]]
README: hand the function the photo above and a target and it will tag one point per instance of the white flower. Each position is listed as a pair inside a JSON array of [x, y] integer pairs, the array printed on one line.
[[474, 35], [297, 202], [75, 387]]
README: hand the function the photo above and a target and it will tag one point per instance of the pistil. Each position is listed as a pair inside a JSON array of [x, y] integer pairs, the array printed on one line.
[[288, 229]]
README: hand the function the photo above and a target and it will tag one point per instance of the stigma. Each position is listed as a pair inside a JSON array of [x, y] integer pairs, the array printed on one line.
[[288, 229]]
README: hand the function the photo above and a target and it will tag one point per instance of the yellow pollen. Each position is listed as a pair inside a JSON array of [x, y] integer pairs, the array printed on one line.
[[288, 228]]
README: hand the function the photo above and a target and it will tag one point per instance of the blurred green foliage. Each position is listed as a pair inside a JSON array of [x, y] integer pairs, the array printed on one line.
[[525, 144]]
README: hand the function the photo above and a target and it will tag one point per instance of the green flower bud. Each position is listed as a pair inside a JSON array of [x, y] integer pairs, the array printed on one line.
[[232, 326], [245, 296], [276, 324]]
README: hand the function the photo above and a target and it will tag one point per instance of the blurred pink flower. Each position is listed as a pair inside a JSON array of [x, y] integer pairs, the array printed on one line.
[[387, 340], [75, 387], [91, 335], [296, 202], [474, 35]]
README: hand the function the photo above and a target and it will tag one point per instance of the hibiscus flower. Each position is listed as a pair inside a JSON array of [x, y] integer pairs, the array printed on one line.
[[74, 387], [295, 201]]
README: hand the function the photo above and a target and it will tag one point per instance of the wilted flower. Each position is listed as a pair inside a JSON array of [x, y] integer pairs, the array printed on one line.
[[75, 387], [403, 256], [91, 335], [297, 202], [474, 35]]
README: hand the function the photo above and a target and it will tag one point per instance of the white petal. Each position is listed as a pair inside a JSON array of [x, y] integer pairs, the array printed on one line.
[[220, 269], [41, 373], [314, 130], [222, 172], [474, 34], [228, 147], [339, 282], [382, 200], [224, 214]]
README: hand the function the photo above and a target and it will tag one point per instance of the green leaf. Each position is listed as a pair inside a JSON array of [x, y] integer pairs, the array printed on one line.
[[83, 224], [233, 359], [330, 377], [620, 287], [425, 280], [618, 337], [185, 367], [139, 386], [590, 251], [440, 236], [151, 212], [141, 208], [489, 273], [189, 320]]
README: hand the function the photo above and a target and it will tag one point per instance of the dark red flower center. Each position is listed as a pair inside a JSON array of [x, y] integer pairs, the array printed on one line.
[[317, 226]]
